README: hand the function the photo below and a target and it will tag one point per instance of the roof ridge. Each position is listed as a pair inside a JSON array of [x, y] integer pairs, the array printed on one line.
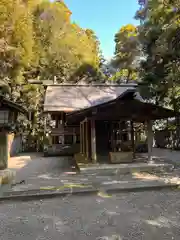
[[93, 85]]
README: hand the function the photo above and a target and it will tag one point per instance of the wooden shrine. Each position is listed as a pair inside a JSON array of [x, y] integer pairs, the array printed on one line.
[[101, 120]]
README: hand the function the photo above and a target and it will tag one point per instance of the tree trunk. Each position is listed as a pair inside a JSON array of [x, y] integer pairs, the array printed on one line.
[[128, 76], [176, 140]]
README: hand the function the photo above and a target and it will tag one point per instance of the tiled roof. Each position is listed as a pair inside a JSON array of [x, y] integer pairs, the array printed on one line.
[[71, 98]]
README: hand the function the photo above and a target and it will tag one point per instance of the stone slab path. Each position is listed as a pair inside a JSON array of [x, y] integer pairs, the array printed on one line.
[[37, 170], [55, 172], [167, 154]]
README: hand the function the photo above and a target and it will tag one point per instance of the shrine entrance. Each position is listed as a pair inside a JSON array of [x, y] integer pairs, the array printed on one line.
[[103, 144]]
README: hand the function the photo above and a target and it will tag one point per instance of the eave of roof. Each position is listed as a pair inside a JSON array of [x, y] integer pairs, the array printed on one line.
[[124, 94], [131, 109], [13, 105]]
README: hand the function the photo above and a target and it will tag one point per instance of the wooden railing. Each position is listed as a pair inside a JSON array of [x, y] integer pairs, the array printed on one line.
[[71, 130]]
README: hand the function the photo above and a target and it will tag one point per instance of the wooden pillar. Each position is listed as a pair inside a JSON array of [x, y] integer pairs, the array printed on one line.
[[132, 139], [61, 126], [93, 141], [83, 150], [129, 125], [10, 138], [3, 150], [56, 121], [74, 136], [112, 137], [87, 140], [45, 141], [149, 139], [81, 139], [84, 138]]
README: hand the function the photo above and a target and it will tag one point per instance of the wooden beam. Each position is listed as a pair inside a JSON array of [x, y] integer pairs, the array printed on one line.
[[34, 81], [126, 110], [85, 120], [113, 119], [50, 83]]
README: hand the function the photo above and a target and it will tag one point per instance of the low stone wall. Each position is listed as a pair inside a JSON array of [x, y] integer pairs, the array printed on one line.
[[121, 157], [80, 158], [7, 177], [114, 157], [62, 150]]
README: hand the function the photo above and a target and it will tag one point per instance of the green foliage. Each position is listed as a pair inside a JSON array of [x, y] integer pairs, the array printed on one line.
[[160, 68], [62, 46], [157, 41], [126, 51], [38, 40]]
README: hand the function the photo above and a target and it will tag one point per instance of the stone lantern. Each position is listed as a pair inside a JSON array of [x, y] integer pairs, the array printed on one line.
[[8, 117]]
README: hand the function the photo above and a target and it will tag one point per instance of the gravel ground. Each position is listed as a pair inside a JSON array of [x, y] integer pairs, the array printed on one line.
[[131, 216]]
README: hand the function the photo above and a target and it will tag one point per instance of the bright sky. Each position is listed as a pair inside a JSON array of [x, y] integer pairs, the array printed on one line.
[[105, 17]]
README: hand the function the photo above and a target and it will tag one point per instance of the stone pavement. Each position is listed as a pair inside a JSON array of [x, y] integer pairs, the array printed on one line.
[[83, 189], [34, 165], [54, 173], [172, 156], [128, 216], [35, 170], [68, 183]]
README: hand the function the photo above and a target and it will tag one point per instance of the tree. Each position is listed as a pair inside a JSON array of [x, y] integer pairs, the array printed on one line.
[[62, 46], [16, 34], [126, 52], [160, 69], [38, 40], [162, 60]]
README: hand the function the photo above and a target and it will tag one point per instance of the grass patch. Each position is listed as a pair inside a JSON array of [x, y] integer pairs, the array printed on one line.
[[6, 180], [6, 177], [71, 185], [104, 195]]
